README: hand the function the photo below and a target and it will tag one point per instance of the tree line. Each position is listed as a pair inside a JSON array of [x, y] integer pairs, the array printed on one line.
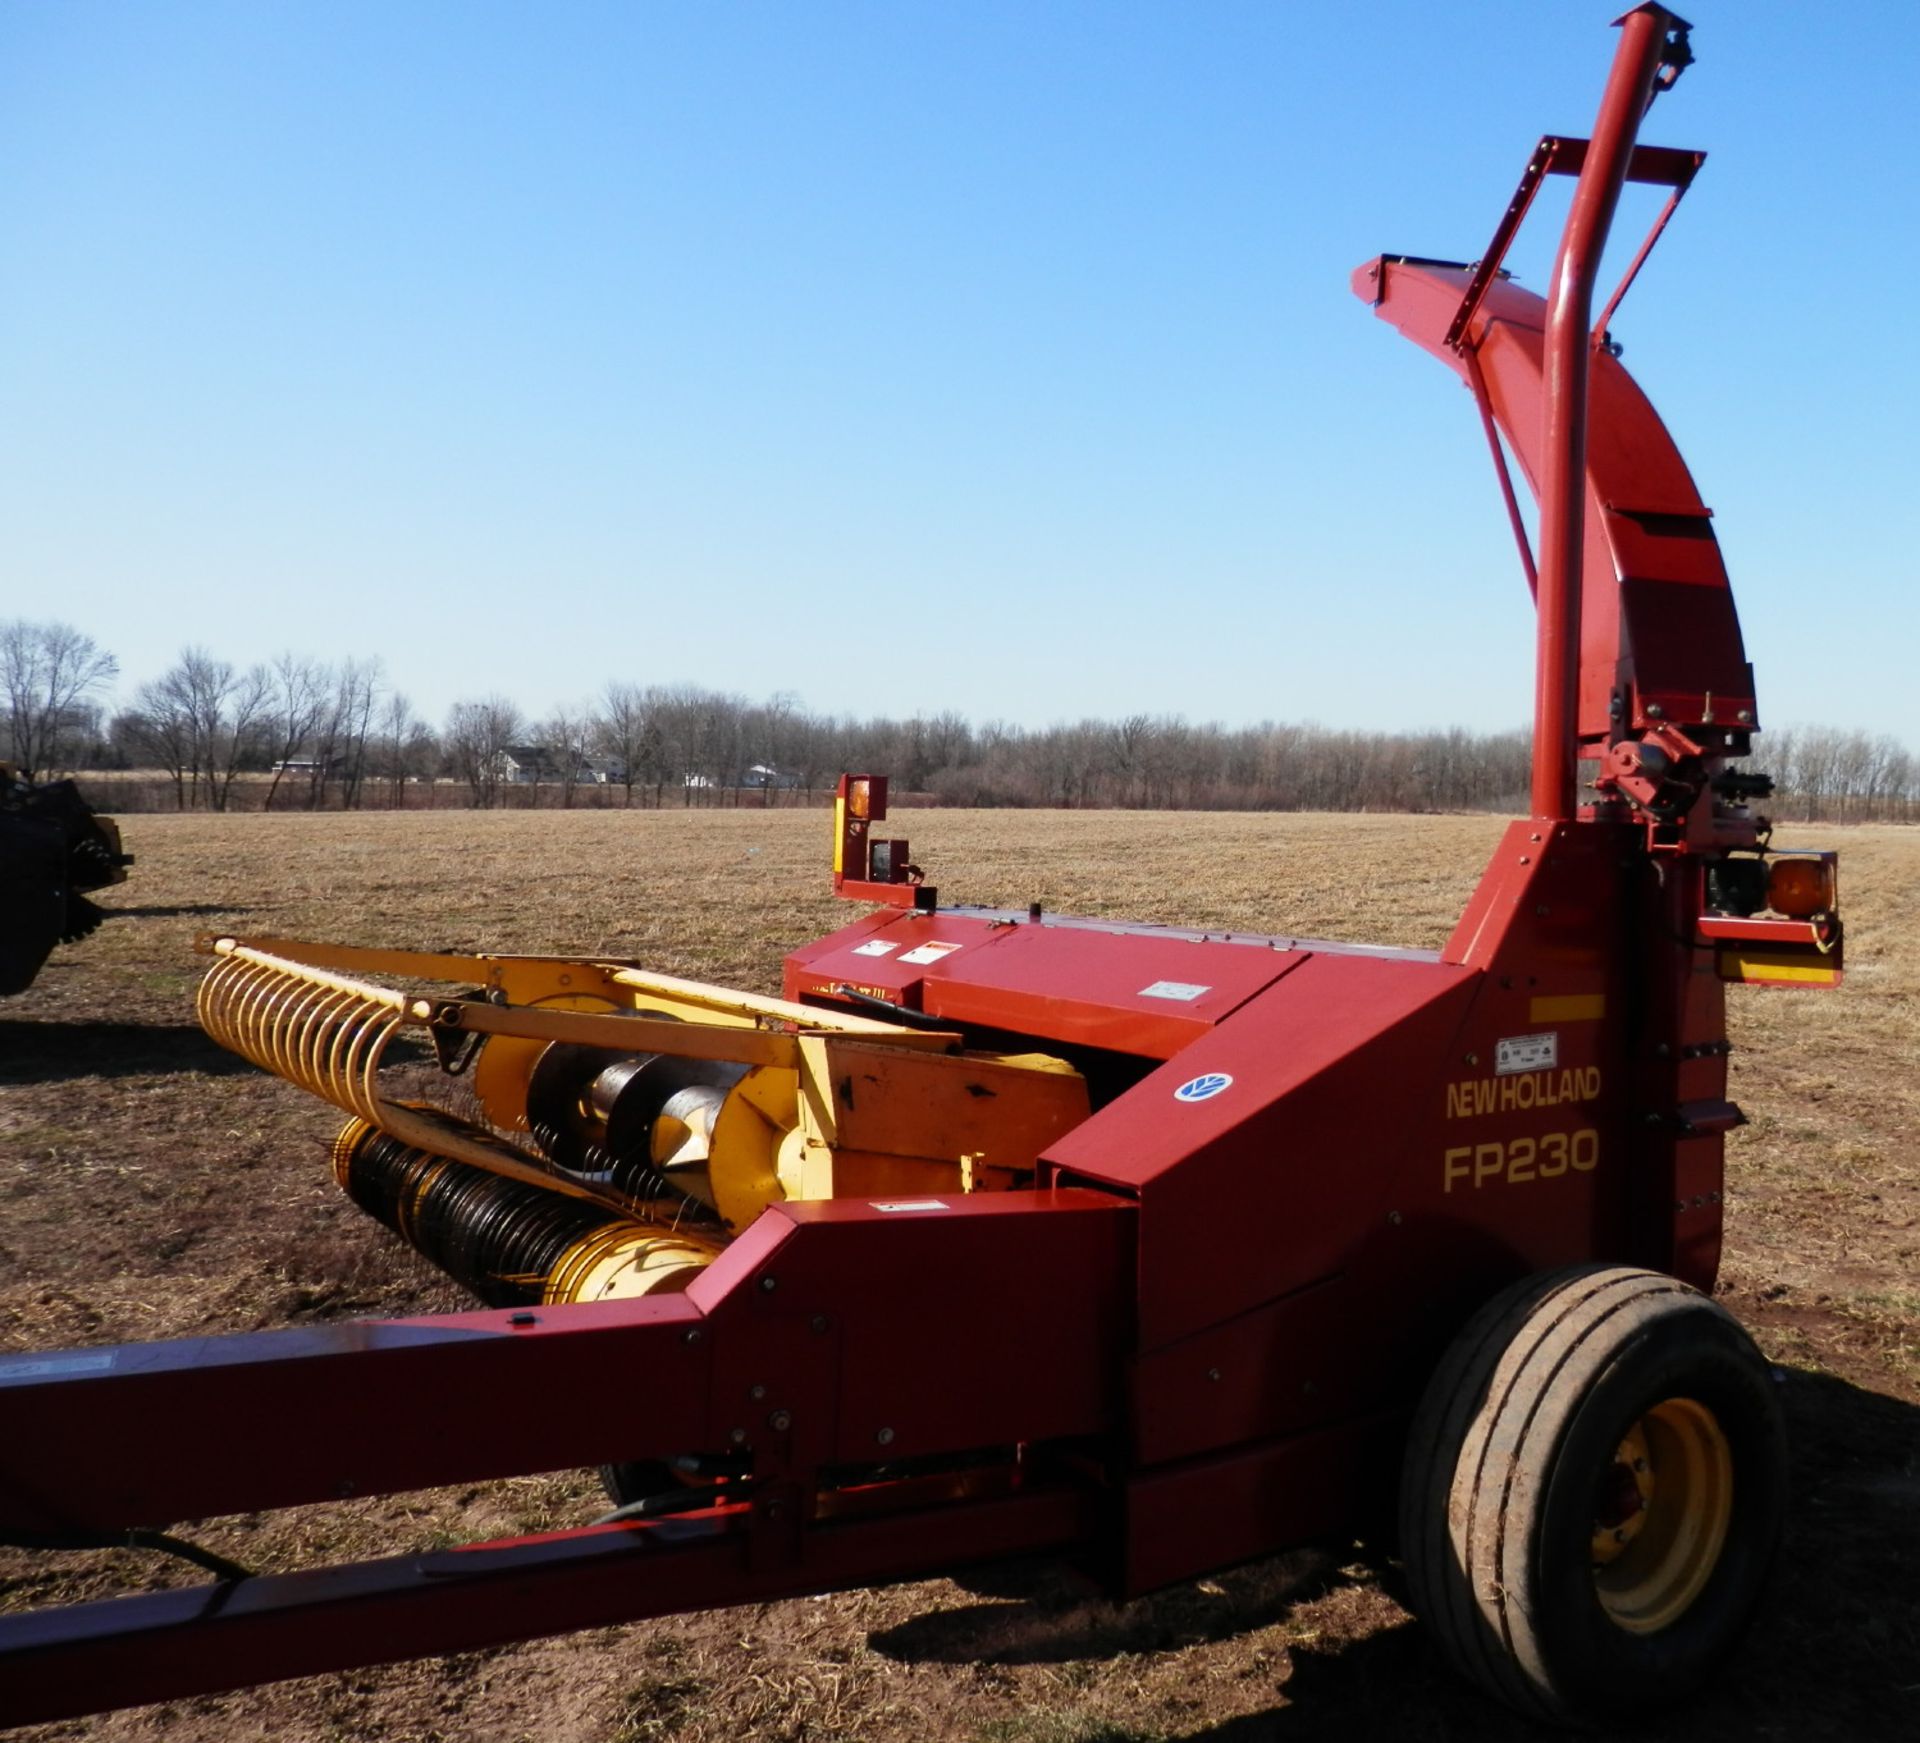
[[298, 733]]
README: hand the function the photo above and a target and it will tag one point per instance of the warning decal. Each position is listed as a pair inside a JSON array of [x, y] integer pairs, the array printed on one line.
[[1183, 990]]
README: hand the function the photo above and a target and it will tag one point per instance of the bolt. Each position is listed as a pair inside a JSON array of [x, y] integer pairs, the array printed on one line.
[[1745, 717], [1473, 1058], [1533, 838], [1639, 1464], [1661, 1050], [522, 1319], [1542, 911], [819, 1323], [768, 1285], [780, 1421], [1213, 1373], [885, 1437], [1393, 1216], [738, 1437], [691, 1337], [756, 1391], [1526, 859], [1655, 711], [1619, 1537]]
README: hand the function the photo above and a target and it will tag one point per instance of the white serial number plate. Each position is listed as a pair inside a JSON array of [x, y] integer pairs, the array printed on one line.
[[1526, 1053]]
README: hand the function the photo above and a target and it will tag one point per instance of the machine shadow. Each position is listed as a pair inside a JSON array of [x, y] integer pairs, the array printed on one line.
[[175, 911], [1052, 1618], [43, 1051], [1834, 1654]]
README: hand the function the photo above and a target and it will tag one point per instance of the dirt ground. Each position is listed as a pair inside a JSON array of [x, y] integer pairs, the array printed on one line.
[[153, 1186]]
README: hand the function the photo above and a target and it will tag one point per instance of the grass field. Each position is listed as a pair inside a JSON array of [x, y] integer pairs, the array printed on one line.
[[152, 1186]]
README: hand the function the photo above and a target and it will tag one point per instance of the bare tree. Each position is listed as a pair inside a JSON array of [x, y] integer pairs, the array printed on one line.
[[682, 715], [49, 672], [1819, 767], [567, 735], [477, 737], [299, 697], [621, 730], [234, 734], [158, 730], [404, 747], [198, 721], [340, 738], [1131, 746]]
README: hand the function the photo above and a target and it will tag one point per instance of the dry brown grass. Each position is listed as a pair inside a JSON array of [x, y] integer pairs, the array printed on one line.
[[150, 1186]]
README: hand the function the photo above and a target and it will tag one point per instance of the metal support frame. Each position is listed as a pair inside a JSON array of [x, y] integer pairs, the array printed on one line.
[[1477, 380], [1630, 88], [162, 1645]]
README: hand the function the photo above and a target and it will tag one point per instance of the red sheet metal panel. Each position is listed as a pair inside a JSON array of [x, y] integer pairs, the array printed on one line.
[[934, 1302], [852, 1317], [1133, 990], [1279, 1368], [1657, 614], [1376, 1202], [1260, 1150], [1213, 1512], [271, 1419], [887, 955]]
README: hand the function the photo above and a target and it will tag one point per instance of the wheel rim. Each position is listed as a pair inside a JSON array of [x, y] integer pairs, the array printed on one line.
[[1660, 1515]]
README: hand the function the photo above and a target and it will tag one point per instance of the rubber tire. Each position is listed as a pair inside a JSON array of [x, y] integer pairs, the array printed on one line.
[[1516, 1426]]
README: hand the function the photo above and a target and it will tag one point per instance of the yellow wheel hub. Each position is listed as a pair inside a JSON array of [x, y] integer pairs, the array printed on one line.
[[1660, 1515]]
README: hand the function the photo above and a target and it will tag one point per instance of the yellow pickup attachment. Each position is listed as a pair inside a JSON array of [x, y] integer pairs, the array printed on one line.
[[662, 1101]]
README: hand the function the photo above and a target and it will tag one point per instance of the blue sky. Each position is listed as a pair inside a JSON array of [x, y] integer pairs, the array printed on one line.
[[911, 356]]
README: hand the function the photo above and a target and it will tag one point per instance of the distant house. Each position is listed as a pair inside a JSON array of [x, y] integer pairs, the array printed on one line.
[[526, 764], [310, 766], [603, 771]]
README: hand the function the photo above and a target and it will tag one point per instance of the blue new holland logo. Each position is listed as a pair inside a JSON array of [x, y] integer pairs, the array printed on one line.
[[1204, 1087]]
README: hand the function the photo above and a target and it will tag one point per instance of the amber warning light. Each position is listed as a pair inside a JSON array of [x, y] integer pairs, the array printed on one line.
[[1801, 886], [866, 869], [1798, 941]]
